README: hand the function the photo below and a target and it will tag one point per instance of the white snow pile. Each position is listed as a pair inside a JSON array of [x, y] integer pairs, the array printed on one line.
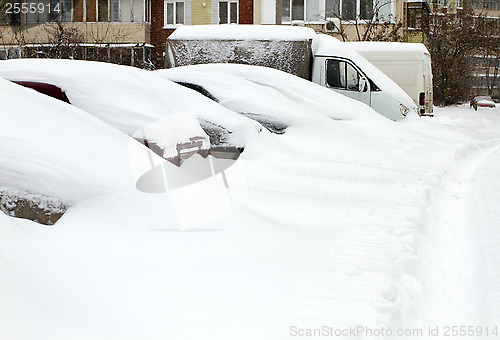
[[363, 223], [243, 32], [308, 95], [129, 99], [52, 148], [269, 107]]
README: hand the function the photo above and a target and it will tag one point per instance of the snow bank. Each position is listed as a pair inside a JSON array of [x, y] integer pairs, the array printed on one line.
[[310, 96], [339, 219], [51, 148]]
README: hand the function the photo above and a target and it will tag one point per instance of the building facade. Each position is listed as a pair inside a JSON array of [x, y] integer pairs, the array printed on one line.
[[131, 32]]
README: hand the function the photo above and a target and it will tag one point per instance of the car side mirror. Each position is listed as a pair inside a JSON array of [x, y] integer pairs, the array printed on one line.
[[362, 84]]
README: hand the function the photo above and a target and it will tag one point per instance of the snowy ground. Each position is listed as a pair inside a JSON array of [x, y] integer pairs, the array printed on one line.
[[332, 231]]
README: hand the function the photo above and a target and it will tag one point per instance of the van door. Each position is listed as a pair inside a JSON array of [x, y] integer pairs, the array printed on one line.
[[344, 77]]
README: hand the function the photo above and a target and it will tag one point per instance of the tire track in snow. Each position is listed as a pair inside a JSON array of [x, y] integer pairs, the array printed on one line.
[[450, 283]]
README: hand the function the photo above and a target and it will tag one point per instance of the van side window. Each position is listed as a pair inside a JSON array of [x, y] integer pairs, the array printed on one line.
[[341, 74], [335, 73], [352, 78]]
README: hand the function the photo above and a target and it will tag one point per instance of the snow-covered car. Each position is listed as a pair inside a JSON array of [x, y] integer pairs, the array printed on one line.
[[482, 101], [305, 94], [173, 121], [270, 108], [55, 155]]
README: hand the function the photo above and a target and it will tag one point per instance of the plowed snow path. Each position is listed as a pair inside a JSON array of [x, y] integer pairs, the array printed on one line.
[[459, 247]]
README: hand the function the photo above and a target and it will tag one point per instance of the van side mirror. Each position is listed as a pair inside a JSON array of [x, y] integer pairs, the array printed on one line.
[[362, 85]]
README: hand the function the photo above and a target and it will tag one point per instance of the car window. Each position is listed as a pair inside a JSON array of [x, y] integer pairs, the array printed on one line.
[[47, 89], [199, 89]]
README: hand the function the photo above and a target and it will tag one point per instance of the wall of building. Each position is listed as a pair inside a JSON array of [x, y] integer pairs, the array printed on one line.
[[87, 30], [82, 32]]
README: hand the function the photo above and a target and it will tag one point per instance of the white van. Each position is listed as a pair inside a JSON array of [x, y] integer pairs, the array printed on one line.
[[408, 64]]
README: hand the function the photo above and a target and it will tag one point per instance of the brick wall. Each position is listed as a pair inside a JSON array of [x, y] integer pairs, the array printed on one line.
[[158, 34]]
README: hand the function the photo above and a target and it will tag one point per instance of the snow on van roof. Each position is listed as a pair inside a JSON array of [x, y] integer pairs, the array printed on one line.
[[52, 148], [242, 32], [326, 45], [396, 50]]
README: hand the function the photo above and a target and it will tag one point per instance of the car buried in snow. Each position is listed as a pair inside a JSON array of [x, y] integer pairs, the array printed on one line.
[[118, 96], [171, 120], [273, 110], [482, 101]]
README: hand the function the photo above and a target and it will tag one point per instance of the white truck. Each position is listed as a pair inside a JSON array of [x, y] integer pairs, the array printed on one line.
[[408, 64], [297, 50]]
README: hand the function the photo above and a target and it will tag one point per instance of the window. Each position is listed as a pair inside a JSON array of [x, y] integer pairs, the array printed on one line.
[[147, 13], [114, 10], [129, 10], [41, 16], [342, 75], [308, 10], [138, 10], [384, 10], [366, 9], [12, 52], [312, 10], [285, 11], [57, 10], [102, 10], [108, 10], [335, 74], [15, 18], [228, 12], [317, 10], [174, 13], [332, 9], [349, 10], [298, 10]]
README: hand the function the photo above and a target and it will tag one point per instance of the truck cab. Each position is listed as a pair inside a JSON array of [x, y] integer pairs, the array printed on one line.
[[343, 76], [343, 70]]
